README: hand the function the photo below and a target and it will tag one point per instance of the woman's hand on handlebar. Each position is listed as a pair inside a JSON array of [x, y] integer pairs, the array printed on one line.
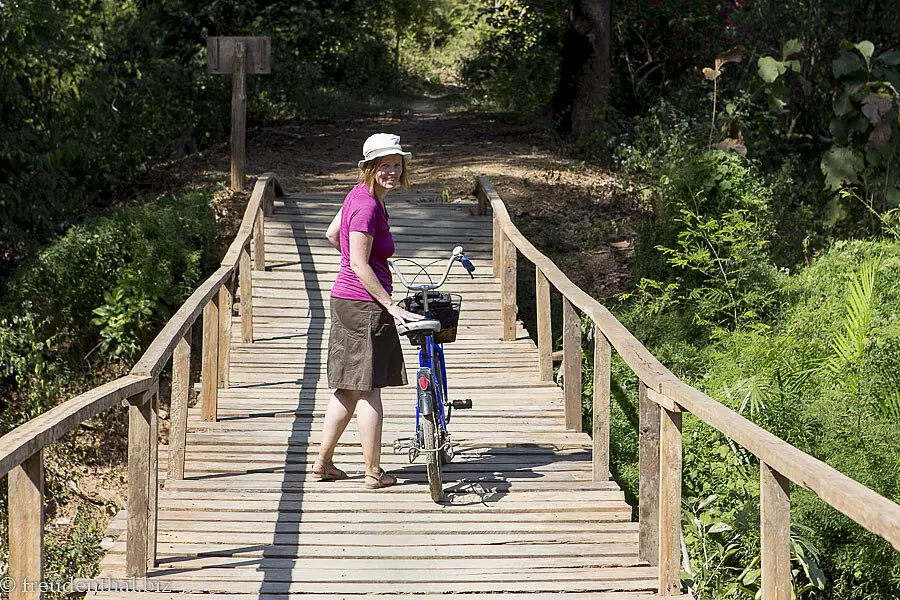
[[403, 315]]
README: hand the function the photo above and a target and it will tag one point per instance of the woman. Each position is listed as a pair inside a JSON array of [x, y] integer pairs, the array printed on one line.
[[364, 353]]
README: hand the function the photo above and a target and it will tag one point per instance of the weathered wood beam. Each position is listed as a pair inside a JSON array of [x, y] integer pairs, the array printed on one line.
[[648, 459], [670, 503], [600, 437], [239, 119], [226, 314], [775, 533], [508, 289], [246, 283], [136, 555], [544, 329], [181, 389], [209, 377], [572, 365], [26, 527]]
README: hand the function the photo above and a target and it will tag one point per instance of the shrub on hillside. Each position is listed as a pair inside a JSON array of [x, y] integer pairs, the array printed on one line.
[[99, 292], [706, 246], [820, 373]]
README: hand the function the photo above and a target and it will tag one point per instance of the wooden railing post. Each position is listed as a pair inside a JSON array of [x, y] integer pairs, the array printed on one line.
[[602, 375], [544, 329], [26, 527], [153, 476], [181, 386], [209, 376], [775, 533], [139, 427], [508, 289], [246, 283], [648, 510], [259, 241], [572, 365], [226, 310], [670, 503], [269, 200], [495, 252]]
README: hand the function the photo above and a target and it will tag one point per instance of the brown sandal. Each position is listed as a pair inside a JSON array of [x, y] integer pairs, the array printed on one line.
[[326, 471], [382, 480]]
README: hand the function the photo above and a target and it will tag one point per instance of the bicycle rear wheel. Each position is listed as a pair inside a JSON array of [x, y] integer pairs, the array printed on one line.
[[431, 431]]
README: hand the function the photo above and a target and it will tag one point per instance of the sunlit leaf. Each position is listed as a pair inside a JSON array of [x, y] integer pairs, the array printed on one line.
[[866, 48], [769, 68]]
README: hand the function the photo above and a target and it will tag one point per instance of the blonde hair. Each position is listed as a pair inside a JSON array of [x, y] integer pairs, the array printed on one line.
[[368, 169]]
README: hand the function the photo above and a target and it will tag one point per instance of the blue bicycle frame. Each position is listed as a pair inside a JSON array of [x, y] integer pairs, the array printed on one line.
[[431, 356]]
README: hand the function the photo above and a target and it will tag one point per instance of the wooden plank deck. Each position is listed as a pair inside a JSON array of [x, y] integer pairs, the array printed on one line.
[[522, 521]]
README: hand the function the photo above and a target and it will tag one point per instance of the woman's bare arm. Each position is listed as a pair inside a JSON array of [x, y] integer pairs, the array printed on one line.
[[360, 249], [333, 233]]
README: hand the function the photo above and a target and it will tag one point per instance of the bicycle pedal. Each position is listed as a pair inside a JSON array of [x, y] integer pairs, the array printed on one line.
[[460, 403], [402, 445]]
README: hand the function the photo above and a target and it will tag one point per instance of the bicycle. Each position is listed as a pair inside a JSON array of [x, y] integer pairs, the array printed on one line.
[[433, 407]]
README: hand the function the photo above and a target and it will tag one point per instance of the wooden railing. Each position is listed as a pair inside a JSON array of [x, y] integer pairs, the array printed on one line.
[[21, 450], [663, 400]]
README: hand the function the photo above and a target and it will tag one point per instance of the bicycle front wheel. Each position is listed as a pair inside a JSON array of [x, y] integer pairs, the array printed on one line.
[[431, 431]]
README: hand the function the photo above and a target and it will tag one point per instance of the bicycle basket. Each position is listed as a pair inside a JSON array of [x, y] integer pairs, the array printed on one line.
[[441, 307]]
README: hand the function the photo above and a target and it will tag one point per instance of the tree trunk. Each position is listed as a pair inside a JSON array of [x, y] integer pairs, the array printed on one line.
[[580, 99]]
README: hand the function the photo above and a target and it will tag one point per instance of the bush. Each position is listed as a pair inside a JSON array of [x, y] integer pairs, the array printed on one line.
[[101, 290], [706, 246], [821, 374]]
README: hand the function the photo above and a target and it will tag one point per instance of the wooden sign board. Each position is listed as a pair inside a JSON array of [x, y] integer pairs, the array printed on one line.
[[258, 51]]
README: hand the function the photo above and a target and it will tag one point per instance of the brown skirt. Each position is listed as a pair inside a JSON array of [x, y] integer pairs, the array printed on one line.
[[364, 350]]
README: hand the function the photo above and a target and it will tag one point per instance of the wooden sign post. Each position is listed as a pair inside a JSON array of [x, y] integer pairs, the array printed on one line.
[[239, 57]]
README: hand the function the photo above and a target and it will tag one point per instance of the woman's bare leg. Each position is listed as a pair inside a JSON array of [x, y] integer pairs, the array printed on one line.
[[370, 419], [337, 416]]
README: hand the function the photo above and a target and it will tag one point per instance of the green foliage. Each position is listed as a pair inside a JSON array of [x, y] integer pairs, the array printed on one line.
[[94, 91], [105, 285], [514, 65], [152, 252], [866, 124], [128, 311], [772, 71], [712, 228], [29, 361], [821, 374]]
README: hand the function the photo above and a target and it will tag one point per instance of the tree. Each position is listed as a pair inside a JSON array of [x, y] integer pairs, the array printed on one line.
[[580, 98]]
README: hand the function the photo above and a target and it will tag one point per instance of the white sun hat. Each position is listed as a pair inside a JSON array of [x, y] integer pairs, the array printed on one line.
[[381, 144]]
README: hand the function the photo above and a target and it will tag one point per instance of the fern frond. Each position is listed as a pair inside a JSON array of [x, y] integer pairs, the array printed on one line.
[[849, 347]]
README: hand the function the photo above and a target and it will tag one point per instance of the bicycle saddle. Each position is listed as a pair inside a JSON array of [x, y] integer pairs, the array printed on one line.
[[426, 326]]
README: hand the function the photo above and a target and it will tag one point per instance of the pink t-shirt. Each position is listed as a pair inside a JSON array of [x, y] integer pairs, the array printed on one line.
[[363, 212]]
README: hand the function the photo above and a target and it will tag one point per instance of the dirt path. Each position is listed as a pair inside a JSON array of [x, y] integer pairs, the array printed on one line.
[[575, 213]]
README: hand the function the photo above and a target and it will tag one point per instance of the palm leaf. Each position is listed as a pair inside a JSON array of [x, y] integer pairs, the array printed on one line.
[[849, 346]]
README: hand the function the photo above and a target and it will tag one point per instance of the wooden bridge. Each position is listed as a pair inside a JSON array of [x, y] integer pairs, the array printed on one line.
[[530, 510]]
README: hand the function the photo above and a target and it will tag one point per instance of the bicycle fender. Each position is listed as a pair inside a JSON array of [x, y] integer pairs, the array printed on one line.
[[425, 391]]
